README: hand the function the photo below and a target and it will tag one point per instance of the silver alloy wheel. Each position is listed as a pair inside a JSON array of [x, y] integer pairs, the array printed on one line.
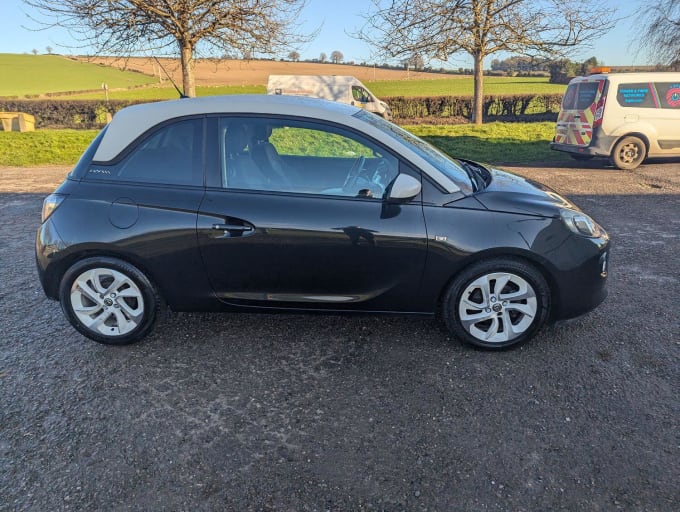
[[629, 153], [497, 307], [107, 301]]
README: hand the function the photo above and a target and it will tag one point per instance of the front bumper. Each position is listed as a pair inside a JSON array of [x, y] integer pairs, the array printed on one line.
[[583, 288]]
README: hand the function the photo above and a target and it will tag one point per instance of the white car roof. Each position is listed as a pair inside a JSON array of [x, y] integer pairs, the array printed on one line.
[[131, 122]]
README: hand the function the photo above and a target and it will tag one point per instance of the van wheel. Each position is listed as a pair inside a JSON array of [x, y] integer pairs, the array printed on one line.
[[628, 153]]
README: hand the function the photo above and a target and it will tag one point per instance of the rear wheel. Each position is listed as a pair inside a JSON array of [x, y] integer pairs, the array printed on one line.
[[629, 153], [497, 303], [109, 300]]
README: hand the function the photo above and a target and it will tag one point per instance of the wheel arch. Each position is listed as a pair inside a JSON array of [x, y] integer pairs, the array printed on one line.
[[58, 272], [644, 138], [535, 260]]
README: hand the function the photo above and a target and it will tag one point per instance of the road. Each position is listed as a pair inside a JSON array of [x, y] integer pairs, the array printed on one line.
[[263, 412]]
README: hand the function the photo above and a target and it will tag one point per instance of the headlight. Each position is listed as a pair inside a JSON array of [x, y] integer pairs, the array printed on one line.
[[50, 204], [581, 224]]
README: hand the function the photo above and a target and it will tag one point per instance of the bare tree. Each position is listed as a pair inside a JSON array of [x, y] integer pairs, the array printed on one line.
[[34, 51], [322, 57], [123, 27], [294, 56], [661, 31], [337, 57], [442, 28], [49, 49]]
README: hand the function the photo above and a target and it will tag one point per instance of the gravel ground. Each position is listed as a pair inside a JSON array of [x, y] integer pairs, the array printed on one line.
[[237, 412]]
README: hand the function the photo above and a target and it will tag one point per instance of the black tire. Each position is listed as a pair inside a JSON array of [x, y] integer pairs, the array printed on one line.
[[134, 313], [629, 153], [580, 157], [522, 276]]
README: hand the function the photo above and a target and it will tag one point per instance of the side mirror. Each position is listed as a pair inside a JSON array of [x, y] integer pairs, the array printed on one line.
[[404, 188]]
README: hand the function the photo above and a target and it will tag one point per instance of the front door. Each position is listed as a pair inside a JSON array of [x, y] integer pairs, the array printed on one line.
[[299, 220]]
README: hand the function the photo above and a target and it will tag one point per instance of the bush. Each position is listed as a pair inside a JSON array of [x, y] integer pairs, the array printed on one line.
[[86, 114], [508, 108]]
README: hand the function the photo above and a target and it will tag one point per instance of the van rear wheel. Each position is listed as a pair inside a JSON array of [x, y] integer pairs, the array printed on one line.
[[629, 153]]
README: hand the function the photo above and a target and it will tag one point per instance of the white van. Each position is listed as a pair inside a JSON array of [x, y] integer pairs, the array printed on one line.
[[626, 117], [343, 89]]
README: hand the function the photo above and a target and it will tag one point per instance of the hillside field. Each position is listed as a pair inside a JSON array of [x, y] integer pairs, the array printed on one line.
[[40, 74]]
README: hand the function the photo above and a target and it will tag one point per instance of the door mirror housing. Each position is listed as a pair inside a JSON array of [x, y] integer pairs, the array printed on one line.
[[403, 189]]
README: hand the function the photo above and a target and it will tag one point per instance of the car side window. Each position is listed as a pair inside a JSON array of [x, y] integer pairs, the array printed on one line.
[[302, 157], [170, 155]]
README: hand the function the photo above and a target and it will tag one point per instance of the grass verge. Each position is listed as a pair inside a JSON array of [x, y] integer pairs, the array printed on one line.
[[492, 142], [43, 147]]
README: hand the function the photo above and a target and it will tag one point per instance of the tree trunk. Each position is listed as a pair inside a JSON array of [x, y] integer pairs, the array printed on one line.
[[478, 98], [188, 81]]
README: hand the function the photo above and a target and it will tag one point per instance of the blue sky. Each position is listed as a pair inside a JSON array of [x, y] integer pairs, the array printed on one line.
[[337, 19]]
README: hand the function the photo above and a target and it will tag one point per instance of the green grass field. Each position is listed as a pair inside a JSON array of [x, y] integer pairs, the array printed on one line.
[[38, 74], [493, 143], [166, 93]]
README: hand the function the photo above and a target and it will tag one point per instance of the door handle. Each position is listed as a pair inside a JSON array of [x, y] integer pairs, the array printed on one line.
[[232, 227]]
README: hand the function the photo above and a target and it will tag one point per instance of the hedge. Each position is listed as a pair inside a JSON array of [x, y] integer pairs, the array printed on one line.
[[77, 114], [509, 107], [86, 114]]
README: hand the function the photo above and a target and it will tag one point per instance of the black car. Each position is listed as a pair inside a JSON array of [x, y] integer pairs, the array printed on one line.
[[271, 203]]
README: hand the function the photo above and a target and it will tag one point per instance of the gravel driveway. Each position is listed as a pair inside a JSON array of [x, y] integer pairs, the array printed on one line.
[[262, 412]]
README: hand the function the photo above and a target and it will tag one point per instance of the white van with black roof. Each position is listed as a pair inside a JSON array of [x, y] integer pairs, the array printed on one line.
[[625, 117]]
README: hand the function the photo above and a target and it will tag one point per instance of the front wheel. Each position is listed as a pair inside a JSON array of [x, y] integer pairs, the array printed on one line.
[[629, 153], [497, 303], [109, 300]]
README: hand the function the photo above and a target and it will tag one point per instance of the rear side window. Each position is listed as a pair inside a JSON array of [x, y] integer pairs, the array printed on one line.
[[171, 155], [649, 95], [580, 96]]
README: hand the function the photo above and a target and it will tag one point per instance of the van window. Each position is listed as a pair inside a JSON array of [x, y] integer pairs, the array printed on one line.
[[587, 92], [580, 96], [649, 95], [360, 94]]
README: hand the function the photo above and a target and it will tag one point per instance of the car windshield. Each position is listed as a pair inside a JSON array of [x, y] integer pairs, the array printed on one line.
[[447, 165]]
